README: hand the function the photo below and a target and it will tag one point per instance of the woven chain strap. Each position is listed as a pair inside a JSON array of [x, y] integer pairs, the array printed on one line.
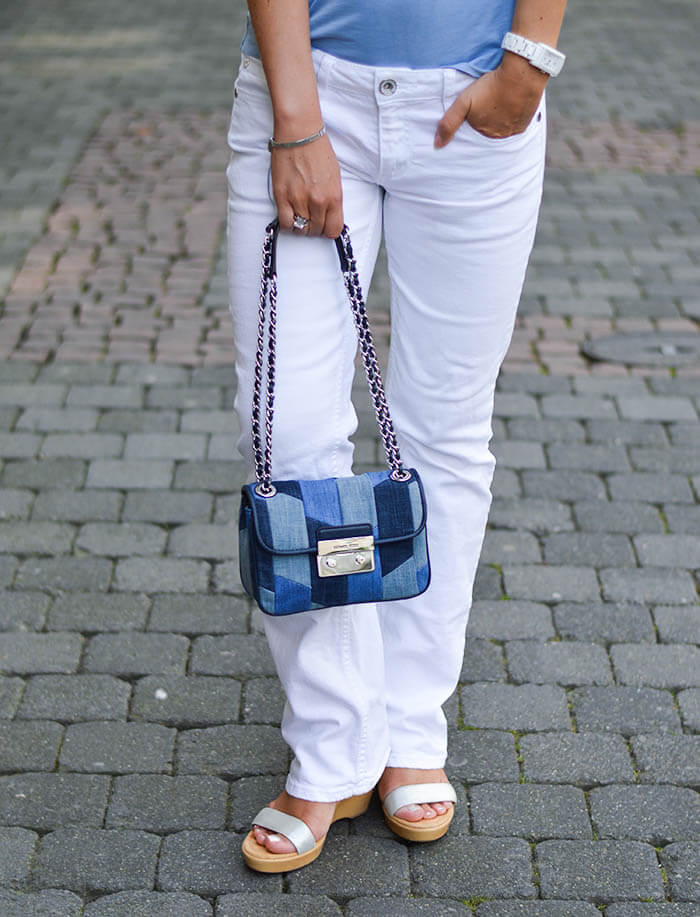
[[268, 290]]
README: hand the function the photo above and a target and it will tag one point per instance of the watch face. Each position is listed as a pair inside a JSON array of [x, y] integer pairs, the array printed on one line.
[[547, 59]]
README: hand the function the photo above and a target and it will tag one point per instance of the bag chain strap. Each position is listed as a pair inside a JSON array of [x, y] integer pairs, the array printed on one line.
[[268, 289]]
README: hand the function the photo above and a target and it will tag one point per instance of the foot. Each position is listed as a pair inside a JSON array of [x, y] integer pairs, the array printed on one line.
[[394, 777], [317, 815]]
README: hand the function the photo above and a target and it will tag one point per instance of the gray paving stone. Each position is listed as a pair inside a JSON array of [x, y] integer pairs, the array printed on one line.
[[179, 446], [355, 865], [186, 700], [151, 374], [483, 661], [478, 755], [510, 620], [656, 407], [55, 420], [162, 574], [77, 506], [537, 909], [515, 404], [47, 903], [627, 710], [661, 666], [148, 904], [566, 663], [623, 516], [533, 811], [681, 864], [604, 622], [656, 814], [534, 382], [82, 574], [208, 421], [108, 396], [17, 371], [23, 653], [227, 579], [215, 477], [532, 514], [117, 748], [689, 704], [519, 454], [66, 371], [487, 582], [133, 654], [18, 445], [185, 397], [619, 432], [121, 420], [167, 507], [684, 434], [166, 804], [595, 549], [130, 474], [244, 904], [10, 693], [23, 394], [678, 623], [95, 612], [15, 504], [599, 871], [588, 457], [648, 586], [63, 473], [197, 614], [237, 654], [29, 746], [563, 485], [82, 445], [650, 487], [581, 758], [17, 849], [641, 909], [224, 447], [231, 751], [505, 483], [36, 537], [579, 407], [263, 702], [8, 568], [9, 418], [75, 697], [519, 547], [461, 867], [683, 459], [96, 860], [121, 539], [551, 583], [218, 542], [48, 801], [534, 708], [668, 759], [209, 863], [23, 610], [682, 518], [547, 431], [668, 550]]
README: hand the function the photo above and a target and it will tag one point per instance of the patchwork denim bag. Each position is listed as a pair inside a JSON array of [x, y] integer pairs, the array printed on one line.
[[314, 544]]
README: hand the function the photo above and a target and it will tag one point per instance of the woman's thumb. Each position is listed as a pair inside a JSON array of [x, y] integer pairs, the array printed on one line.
[[451, 120]]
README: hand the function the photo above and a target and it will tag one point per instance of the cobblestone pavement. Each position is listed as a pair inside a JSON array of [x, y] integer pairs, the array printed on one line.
[[139, 709]]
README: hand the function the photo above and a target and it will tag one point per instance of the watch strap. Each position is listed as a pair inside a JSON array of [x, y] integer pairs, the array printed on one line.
[[542, 56]]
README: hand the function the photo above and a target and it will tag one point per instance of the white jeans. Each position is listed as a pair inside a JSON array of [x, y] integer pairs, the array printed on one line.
[[365, 684]]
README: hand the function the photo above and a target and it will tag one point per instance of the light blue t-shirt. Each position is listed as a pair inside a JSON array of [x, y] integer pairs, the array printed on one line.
[[408, 33]]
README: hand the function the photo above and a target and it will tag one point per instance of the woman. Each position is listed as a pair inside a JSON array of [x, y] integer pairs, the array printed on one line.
[[405, 118]]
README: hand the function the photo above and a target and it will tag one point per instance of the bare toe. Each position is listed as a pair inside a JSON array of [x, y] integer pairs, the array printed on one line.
[[275, 843], [410, 813]]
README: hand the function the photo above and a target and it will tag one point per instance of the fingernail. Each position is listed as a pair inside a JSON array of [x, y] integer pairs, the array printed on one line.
[[437, 141]]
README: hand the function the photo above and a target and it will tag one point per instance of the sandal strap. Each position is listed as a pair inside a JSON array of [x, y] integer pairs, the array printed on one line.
[[414, 793], [293, 828]]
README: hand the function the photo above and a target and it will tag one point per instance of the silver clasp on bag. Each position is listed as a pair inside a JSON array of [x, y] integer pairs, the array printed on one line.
[[342, 556]]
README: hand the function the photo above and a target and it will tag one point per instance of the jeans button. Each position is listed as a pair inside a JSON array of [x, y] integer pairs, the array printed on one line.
[[387, 87]]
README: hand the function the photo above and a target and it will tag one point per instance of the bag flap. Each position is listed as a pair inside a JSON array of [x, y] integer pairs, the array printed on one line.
[[289, 521]]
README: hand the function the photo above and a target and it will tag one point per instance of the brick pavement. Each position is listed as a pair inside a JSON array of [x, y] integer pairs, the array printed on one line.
[[139, 709]]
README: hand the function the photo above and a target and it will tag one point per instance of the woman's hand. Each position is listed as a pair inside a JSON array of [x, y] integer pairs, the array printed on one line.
[[499, 104], [306, 181]]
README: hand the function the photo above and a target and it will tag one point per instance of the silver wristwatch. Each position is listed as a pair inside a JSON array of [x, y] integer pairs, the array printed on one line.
[[540, 55]]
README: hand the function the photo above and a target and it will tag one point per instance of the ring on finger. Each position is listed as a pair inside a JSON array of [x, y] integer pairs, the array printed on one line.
[[299, 222]]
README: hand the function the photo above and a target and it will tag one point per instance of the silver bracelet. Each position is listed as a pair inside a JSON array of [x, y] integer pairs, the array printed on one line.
[[273, 144]]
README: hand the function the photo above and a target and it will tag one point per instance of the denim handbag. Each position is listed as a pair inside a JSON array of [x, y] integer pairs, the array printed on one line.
[[309, 544]]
